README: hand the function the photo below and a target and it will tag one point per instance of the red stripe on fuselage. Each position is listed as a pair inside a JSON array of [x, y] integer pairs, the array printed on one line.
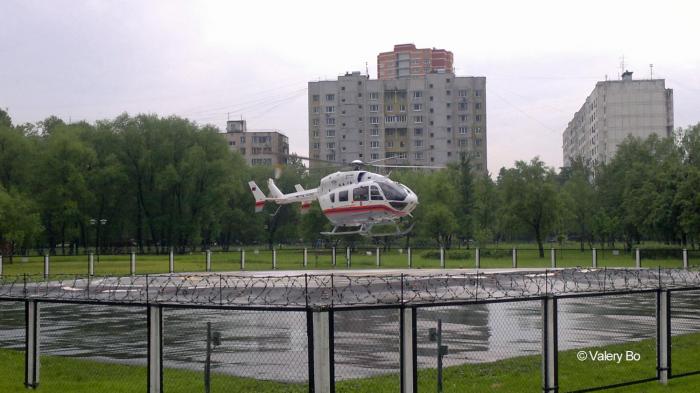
[[360, 209], [261, 203]]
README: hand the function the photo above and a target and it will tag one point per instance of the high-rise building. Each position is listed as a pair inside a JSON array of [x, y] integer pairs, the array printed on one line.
[[418, 120], [257, 147], [613, 111], [406, 61]]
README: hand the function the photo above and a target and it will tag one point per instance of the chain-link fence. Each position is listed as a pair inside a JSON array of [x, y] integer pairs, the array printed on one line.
[[350, 332]]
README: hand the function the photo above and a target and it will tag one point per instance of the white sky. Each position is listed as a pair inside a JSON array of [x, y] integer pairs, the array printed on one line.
[[205, 59]]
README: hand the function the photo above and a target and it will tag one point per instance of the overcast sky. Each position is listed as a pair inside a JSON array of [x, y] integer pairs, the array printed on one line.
[[207, 60]]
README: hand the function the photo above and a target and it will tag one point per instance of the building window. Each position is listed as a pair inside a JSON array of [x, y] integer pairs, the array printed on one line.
[[374, 119], [417, 95], [389, 144], [315, 133], [232, 143], [330, 145], [330, 97], [448, 92], [418, 143], [418, 132], [463, 93], [317, 146], [374, 156], [463, 118], [316, 110], [374, 108], [462, 142], [330, 157], [330, 133], [375, 131], [418, 156], [477, 118], [388, 108], [402, 108], [478, 142], [330, 109], [418, 119], [463, 106], [395, 119], [242, 140], [315, 122], [315, 98], [330, 121], [477, 130], [477, 93], [463, 130], [417, 107], [373, 95], [477, 105], [374, 144]]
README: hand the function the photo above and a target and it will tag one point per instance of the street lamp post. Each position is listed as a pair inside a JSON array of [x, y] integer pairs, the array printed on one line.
[[97, 222]]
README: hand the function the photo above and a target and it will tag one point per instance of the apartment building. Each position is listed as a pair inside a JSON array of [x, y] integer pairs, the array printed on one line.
[[406, 61], [267, 147], [427, 119], [613, 111]]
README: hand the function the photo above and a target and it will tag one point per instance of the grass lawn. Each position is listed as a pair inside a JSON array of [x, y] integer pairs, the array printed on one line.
[[292, 259], [515, 375]]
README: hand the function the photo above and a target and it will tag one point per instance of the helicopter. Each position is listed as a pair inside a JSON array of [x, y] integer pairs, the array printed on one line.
[[354, 201]]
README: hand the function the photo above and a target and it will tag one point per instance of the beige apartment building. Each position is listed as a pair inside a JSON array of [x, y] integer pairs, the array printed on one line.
[[266, 148], [418, 120], [613, 111]]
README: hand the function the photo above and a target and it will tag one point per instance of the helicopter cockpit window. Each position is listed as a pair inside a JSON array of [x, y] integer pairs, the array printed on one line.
[[360, 194], [361, 176], [333, 198], [375, 195], [393, 192], [342, 196]]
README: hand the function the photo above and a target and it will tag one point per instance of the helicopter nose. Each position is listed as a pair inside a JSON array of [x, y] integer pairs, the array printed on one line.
[[412, 200]]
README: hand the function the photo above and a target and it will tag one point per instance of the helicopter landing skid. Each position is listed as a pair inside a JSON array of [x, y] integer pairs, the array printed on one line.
[[365, 230]]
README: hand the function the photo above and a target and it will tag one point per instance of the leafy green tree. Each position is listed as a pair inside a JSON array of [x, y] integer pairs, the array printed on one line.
[[530, 195], [19, 222]]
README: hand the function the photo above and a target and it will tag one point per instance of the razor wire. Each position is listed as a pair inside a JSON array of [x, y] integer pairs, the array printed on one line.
[[340, 289]]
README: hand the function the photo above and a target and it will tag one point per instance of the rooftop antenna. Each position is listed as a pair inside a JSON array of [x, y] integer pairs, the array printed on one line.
[[651, 71], [622, 66], [367, 69]]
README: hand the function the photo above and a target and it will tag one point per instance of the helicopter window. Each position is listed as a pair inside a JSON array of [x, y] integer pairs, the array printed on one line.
[[333, 198], [392, 192], [342, 196], [375, 194], [361, 176], [360, 194]]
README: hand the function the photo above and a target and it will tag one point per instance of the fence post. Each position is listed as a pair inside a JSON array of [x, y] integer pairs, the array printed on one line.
[[171, 260], [91, 264], [0, 264], [306, 257], [155, 348], [274, 259], [321, 351], [242, 259], [637, 259], [333, 256], [410, 259], [32, 337], [133, 263], [409, 353], [595, 257], [685, 259], [46, 266], [347, 257], [478, 258], [663, 331], [554, 258], [515, 258], [550, 349], [442, 257], [378, 258], [208, 260]]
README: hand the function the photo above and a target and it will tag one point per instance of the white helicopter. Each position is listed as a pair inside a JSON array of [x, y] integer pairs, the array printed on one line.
[[354, 201]]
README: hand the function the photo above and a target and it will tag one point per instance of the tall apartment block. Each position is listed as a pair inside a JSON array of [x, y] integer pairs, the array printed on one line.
[[405, 60], [425, 119], [614, 110], [257, 147]]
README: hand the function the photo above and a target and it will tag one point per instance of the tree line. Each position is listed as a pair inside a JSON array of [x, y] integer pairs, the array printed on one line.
[[152, 183]]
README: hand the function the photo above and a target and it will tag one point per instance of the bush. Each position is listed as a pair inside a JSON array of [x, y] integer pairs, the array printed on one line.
[[449, 254]]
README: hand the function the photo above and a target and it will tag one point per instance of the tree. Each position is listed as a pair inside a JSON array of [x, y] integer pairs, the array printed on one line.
[[19, 222], [530, 195], [580, 198]]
